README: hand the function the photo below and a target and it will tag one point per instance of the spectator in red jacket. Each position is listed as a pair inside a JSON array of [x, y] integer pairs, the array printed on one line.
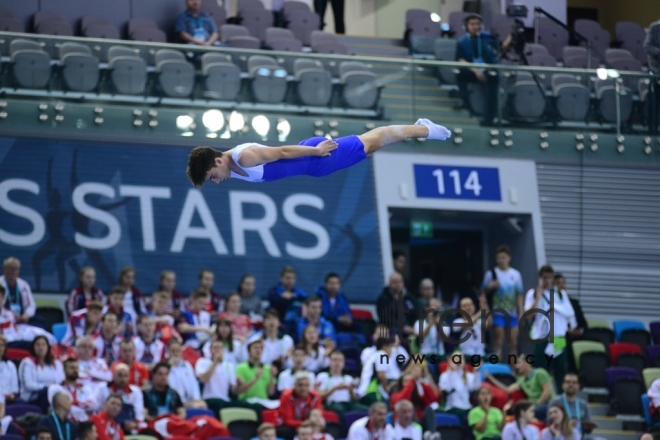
[[105, 421], [296, 404], [421, 394]]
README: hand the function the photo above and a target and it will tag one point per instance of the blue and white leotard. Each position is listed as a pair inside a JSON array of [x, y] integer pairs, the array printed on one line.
[[350, 151]]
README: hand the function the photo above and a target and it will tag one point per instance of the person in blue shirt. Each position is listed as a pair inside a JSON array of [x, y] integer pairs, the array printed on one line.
[[196, 27], [57, 421], [479, 47], [335, 307], [285, 297], [325, 327]]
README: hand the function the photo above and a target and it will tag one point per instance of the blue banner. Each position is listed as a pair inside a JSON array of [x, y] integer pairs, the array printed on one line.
[[65, 204], [454, 182]]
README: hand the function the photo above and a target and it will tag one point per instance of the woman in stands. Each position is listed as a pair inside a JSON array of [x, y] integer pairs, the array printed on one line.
[[240, 323], [39, 371], [86, 291], [559, 426], [520, 428], [8, 374], [177, 299], [457, 384], [133, 299], [485, 420], [234, 352], [412, 387], [318, 356]]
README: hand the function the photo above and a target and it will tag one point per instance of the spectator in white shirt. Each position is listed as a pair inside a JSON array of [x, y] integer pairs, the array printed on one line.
[[474, 342], [39, 371], [383, 363], [218, 378], [404, 427], [432, 334], [148, 350], [83, 397], [235, 352], [317, 354], [106, 342], [372, 427], [91, 370], [182, 378], [9, 384], [653, 394], [19, 335], [19, 299], [195, 322], [132, 414], [286, 379], [83, 322], [278, 346], [521, 428], [457, 384], [338, 391]]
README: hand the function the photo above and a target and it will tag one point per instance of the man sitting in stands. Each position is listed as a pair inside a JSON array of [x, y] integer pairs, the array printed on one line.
[[83, 322], [91, 370], [196, 27]]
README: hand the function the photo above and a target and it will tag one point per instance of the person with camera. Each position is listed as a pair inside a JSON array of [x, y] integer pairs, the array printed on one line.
[[479, 47]]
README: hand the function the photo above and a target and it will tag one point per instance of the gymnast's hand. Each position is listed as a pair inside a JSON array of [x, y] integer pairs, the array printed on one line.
[[324, 148]]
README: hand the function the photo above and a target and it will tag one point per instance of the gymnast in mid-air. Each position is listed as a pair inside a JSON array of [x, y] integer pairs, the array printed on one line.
[[315, 156]]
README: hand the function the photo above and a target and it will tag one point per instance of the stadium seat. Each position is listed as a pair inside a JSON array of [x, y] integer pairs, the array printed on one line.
[[268, 81], [552, 36], [59, 330], [302, 23], [176, 78], [17, 410], [218, 13], [627, 392], [330, 416], [447, 420], [50, 315], [47, 302], [128, 74], [635, 361], [69, 47], [352, 416], [55, 28], [618, 348], [352, 367], [572, 102], [153, 35], [607, 107], [592, 374], [649, 375], [4, 12], [621, 325], [243, 428], [653, 355], [257, 21], [314, 88], [445, 50], [290, 6], [248, 4], [335, 430], [8, 24], [456, 23], [16, 354], [451, 432], [580, 347], [493, 369], [655, 331], [600, 334], [640, 337], [228, 415], [543, 60], [630, 36], [122, 51], [576, 57], [222, 78], [135, 24], [527, 101], [617, 54], [614, 373], [80, 72], [23, 44], [42, 16], [196, 412], [360, 88], [599, 38]]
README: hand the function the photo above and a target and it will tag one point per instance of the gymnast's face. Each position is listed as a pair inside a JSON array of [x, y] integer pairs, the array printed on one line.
[[220, 172]]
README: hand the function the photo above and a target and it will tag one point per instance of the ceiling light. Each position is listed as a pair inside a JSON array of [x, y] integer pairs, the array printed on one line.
[[213, 120], [236, 121], [183, 122], [261, 125], [283, 129], [435, 17]]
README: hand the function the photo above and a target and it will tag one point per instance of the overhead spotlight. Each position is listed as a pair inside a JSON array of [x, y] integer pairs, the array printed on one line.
[[544, 145], [579, 146], [261, 125], [183, 122], [601, 73], [283, 129], [213, 120], [620, 149], [236, 121], [435, 18], [594, 147]]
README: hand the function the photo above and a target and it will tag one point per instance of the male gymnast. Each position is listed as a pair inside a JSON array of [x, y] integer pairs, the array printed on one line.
[[259, 163]]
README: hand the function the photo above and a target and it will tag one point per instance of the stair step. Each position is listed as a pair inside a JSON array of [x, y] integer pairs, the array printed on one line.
[[598, 409], [605, 422], [613, 434]]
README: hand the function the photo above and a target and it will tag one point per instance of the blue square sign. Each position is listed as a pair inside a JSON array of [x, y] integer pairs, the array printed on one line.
[[453, 182]]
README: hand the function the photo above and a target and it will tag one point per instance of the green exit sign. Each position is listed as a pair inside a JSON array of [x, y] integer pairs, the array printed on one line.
[[421, 229]]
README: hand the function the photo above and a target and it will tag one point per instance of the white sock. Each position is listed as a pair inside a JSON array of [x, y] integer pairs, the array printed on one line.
[[435, 131]]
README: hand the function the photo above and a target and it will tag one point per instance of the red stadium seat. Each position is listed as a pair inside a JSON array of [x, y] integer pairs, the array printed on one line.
[[271, 416], [191, 355], [331, 416], [619, 348], [16, 354], [362, 314]]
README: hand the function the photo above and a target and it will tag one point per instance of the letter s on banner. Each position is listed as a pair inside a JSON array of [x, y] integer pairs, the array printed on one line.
[[80, 205], [29, 214], [323, 238]]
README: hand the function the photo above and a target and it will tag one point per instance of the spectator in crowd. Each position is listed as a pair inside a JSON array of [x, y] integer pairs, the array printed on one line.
[[19, 335], [654, 398], [87, 431], [285, 380], [521, 428], [138, 373], [457, 384], [546, 297], [559, 426], [160, 399], [217, 376], [305, 431], [404, 426], [577, 409], [314, 305], [57, 421], [374, 426], [195, 322], [134, 301], [86, 292], [82, 396], [337, 11], [400, 265], [652, 46], [502, 287], [9, 387], [479, 47], [148, 349], [240, 323], [382, 331], [335, 305], [39, 371], [125, 318], [160, 301], [432, 335], [317, 354], [18, 299], [195, 26], [250, 303], [485, 420], [474, 339], [379, 374], [297, 403], [83, 322], [131, 415], [182, 377], [234, 352], [426, 293], [106, 342], [412, 389], [215, 301], [285, 297], [388, 307], [317, 422], [575, 333], [338, 390], [266, 431], [536, 383], [254, 378], [107, 426], [278, 346], [177, 299], [91, 370], [43, 433]]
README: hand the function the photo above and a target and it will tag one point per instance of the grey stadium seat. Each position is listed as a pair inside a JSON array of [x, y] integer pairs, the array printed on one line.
[[291, 6], [628, 65], [101, 31], [257, 21], [8, 24], [527, 101], [617, 54], [416, 14], [23, 44], [69, 47], [154, 35], [121, 51], [544, 61], [313, 82], [359, 86], [139, 23], [42, 16], [55, 28], [445, 50], [222, 78], [286, 45], [606, 96], [275, 33], [535, 49], [4, 12], [476, 98], [268, 80], [456, 23], [219, 14], [176, 78], [31, 68], [244, 42], [630, 36], [168, 54], [327, 43], [240, 35], [249, 4], [302, 23], [576, 57], [552, 36], [598, 37], [80, 71], [89, 20], [559, 79], [128, 74], [571, 99]]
